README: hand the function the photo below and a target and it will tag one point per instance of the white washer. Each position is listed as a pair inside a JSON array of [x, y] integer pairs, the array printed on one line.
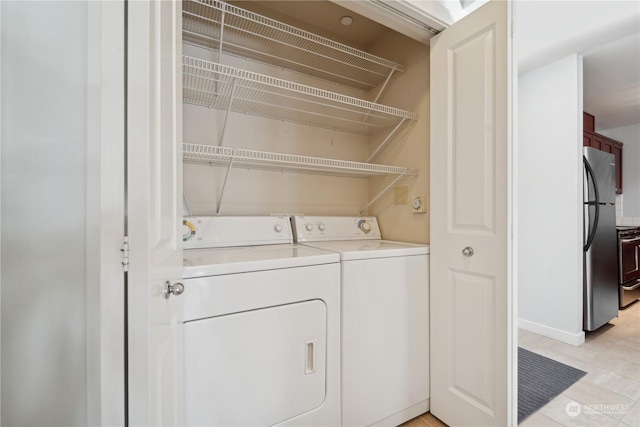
[[385, 318], [262, 325]]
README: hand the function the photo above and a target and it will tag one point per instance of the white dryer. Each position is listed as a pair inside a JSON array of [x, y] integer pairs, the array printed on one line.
[[262, 327], [384, 316]]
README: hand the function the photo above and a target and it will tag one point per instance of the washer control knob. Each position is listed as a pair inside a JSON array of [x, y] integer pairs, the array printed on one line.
[[188, 230], [278, 228], [321, 226], [365, 227], [309, 226]]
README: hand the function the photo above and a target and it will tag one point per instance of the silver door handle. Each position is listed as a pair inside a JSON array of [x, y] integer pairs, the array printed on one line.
[[175, 289], [468, 251]]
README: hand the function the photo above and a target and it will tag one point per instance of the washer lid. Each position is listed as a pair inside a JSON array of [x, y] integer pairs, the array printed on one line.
[[213, 262], [368, 249]]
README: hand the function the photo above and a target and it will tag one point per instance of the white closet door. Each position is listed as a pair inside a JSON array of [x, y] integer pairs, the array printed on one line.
[[470, 309], [154, 139]]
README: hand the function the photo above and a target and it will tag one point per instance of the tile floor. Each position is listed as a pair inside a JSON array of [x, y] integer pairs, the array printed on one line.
[[609, 395]]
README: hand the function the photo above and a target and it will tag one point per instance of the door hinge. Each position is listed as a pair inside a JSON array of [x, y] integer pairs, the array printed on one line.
[[125, 253]]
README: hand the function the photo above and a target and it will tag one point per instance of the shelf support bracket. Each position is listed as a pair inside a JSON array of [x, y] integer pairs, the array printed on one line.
[[226, 115], [384, 85], [223, 13], [224, 185], [383, 143], [364, 208]]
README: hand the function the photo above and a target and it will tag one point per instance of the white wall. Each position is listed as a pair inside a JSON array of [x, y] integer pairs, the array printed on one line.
[[550, 30], [630, 137], [44, 66], [550, 197]]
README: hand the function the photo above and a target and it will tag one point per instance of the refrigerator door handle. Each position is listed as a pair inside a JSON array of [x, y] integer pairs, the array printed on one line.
[[589, 203]]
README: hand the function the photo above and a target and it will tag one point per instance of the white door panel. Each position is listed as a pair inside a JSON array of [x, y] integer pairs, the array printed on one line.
[[469, 199], [154, 167]]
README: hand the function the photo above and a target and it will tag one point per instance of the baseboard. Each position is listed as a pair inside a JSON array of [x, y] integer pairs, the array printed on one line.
[[556, 334], [404, 415]]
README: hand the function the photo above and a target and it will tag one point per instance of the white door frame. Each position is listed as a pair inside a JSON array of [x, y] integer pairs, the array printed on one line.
[[105, 198], [105, 214]]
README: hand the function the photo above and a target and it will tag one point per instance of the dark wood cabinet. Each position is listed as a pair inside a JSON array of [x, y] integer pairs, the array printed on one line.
[[591, 139], [599, 142], [588, 122], [616, 150]]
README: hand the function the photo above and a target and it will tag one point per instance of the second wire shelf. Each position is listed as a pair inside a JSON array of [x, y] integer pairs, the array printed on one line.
[[219, 86]]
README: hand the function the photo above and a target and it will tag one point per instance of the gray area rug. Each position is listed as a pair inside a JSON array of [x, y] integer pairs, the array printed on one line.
[[540, 379]]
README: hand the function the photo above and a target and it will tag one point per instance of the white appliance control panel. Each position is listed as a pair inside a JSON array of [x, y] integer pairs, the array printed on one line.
[[330, 228], [227, 231]]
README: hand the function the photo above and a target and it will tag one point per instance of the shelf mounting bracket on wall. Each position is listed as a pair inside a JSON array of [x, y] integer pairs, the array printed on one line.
[[226, 114], [383, 143], [365, 207], [384, 85], [224, 185], [223, 9]]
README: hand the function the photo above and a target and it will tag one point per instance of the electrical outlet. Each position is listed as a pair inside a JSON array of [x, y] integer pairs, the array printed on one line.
[[417, 205], [401, 195]]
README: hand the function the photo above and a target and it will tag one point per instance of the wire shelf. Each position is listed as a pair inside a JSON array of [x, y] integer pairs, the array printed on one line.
[[262, 39], [220, 86], [251, 159]]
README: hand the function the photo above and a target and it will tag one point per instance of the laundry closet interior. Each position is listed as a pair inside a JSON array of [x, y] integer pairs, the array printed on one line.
[[308, 111], [307, 118]]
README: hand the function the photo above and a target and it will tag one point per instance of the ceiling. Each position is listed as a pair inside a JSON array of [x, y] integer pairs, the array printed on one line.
[[320, 17], [605, 33], [612, 83]]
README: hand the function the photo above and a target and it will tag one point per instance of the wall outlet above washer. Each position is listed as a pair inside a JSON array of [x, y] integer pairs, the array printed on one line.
[[418, 205]]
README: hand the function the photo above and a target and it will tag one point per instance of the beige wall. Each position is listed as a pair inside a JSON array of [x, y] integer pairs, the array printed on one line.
[[254, 192], [251, 192], [409, 91]]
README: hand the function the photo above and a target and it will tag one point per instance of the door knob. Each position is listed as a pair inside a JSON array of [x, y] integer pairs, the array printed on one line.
[[468, 251], [175, 289]]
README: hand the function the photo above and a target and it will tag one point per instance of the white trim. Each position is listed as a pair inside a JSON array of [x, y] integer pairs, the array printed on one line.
[[512, 206], [556, 334], [406, 414], [579, 207], [0, 199], [105, 214]]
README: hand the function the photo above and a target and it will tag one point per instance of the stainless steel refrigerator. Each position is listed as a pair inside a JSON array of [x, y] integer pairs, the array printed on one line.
[[600, 239]]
